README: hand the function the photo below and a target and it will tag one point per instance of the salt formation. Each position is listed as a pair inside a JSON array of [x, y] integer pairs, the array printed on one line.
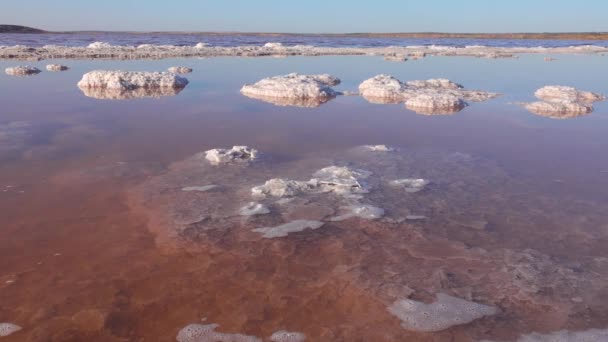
[[180, 70], [253, 208], [22, 70], [366, 212], [99, 45], [278, 187], [592, 335], [201, 45], [273, 45], [411, 185], [395, 58], [378, 148], [302, 90], [8, 329], [56, 67], [427, 97], [202, 188], [286, 336], [219, 156], [561, 102], [130, 80], [290, 227], [442, 314], [207, 333]]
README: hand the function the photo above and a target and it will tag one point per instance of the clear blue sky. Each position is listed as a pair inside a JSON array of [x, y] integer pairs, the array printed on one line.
[[310, 15]]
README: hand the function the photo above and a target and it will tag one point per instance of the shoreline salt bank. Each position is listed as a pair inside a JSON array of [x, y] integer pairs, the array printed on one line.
[[303, 218], [104, 84], [102, 50]]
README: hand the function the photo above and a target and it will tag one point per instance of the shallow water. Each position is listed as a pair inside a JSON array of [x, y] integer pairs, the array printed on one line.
[[100, 243], [134, 39]]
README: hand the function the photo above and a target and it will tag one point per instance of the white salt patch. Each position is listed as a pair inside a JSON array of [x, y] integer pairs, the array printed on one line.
[[180, 70], [207, 333], [411, 185], [382, 87], [56, 67], [549, 93], [201, 45], [434, 83], [395, 58], [253, 208], [130, 80], [273, 45], [442, 314], [200, 188], [22, 70], [591, 335], [435, 104], [235, 154], [366, 212], [379, 148], [145, 46], [290, 227], [8, 329], [99, 45], [278, 187], [292, 86], [561, 102], [341, 180], [286, 336]]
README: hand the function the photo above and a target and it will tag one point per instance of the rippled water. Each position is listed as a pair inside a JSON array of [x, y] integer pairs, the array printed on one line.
[[99, 242], [134, 39]]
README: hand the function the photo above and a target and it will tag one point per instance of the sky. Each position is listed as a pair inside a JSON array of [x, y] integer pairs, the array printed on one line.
[[310, 16]]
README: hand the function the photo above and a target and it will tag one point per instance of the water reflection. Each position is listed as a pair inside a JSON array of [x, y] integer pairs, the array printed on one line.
[[128, 94]]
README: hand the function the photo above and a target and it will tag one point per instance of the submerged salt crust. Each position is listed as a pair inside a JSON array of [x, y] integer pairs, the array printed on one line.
[[22, 70], [562, 102], [219, 156], [293, 89], [591, 335], [287, 336], [442, 314], [7, 329], [207, 333], [287, 228]]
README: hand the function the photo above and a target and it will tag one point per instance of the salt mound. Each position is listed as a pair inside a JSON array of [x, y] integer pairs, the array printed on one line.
[[364, 211], [99, 45], [435, 104], [253, 208], [180, 70], [127, 94], [434, 83], [235, 154], [8, 329], [286, 336], [341, 179], [207, 333], [378, 148], [201, 45], [386, 88], [446, 312], [130, 80], [410, 185], [292, 86], [278, 187], [290, 227], [22, 70], [56, 67], [273, 45], [549, 93], [561, 102]]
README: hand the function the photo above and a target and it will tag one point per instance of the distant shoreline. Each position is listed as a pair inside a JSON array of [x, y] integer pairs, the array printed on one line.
[[420, 35]]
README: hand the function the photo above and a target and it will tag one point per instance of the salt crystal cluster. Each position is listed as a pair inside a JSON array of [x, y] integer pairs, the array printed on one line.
[[434, 96], [561, 102], [180, 70], [219, 156], [131, 80], [253, 208], [99, 45], [8, 329], [410, 185], [273, 45], [378, 148], [364, 211], [56, 67], [293, 89], [442, 314], [286, 336], [289, 227], [591, 335], [207, 333], [22, 70]]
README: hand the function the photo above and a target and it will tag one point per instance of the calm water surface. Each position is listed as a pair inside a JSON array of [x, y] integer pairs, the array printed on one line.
[[516, 211]]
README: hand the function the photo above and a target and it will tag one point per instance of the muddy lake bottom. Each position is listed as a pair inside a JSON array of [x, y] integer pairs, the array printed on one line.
[[99, 242]]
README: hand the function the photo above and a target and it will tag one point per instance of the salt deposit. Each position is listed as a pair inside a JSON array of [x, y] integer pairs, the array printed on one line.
[[199, 188], [382, 89], [180, 70], [99, 45], [56, 67], [219, 156], [253, 208], [442, 314], [591, 335], [395, 58], [201, 45], [290, 227], [8, 329], [366, 212], [435, 104], [286, 336], [292, 86], [561, 102], [130, 80], [378, 148], [411, 185], [278, 187], [22, 70], [273, 45], [207, 333], [341, 179]]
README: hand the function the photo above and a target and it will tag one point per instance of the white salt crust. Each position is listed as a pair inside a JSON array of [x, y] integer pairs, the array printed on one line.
[[22, 70], [219, 156], [304, 88], [287, 336], [179, 70], [7, 329], [410, 185], [562, 102], [56, 67], [201, 188], [207, 333], [287, 228], [253, 208]]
